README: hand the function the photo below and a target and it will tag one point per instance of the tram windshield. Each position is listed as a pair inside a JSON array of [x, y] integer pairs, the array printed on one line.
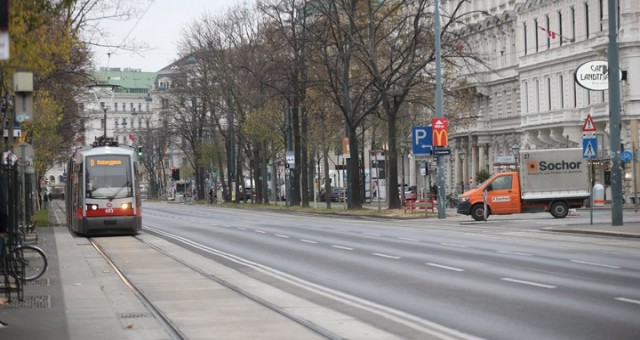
[[108, 176]]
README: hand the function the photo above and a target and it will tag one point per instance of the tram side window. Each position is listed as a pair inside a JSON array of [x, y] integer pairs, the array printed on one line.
[[77, 192]]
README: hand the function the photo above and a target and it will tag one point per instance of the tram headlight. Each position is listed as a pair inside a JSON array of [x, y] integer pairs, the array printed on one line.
[[126, 205], [93, 207]]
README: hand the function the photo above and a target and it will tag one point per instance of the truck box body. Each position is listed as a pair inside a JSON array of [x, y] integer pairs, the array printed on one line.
[[548, 174], [547, 180]]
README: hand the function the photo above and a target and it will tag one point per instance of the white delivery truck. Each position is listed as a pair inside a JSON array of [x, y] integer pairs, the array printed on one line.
[[548, 180]]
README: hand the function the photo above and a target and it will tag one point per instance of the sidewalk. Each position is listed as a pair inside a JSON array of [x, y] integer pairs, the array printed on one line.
[[628, 229], [67, 302]]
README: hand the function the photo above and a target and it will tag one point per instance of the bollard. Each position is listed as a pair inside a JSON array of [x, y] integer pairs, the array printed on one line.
[[598, 195]]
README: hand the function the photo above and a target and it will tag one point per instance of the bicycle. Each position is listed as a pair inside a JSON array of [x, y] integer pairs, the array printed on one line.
[[452, 200], [24, 262], [186, 198]]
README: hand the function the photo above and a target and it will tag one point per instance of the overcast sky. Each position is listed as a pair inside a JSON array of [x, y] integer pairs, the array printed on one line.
[[159, 28]]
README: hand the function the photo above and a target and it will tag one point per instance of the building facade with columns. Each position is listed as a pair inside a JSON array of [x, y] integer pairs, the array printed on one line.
[[526, 94]]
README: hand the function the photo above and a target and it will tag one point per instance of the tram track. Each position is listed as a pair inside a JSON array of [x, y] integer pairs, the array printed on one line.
[[243, 292], [166, 324], [176, 280], [175, 332]]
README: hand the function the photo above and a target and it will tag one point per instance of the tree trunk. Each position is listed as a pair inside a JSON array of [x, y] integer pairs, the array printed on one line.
[[392, 157], [353, 173]]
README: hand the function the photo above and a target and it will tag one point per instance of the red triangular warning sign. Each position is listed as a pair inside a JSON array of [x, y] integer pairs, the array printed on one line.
[[589, 125]]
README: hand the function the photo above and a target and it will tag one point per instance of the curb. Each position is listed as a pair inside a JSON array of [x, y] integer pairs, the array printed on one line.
[[593, 232]]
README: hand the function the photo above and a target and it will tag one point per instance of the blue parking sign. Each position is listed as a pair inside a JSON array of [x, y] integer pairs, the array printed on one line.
[[421, 140]]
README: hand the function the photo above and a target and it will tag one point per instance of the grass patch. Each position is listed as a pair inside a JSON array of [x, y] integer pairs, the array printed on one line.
[[41, 218]]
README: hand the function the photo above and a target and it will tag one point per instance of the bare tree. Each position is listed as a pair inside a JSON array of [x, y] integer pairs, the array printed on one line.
[[289, 34], [153, 142], [336, 27]]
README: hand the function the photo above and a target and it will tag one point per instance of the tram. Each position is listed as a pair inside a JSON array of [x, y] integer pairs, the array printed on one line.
[[102, 192]]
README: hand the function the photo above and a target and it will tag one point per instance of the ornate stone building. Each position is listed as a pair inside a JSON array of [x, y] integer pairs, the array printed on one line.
[[526, 93]]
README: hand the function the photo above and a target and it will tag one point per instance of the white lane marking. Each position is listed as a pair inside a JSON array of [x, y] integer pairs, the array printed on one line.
[[513, 253], [260, 231], [372, 234], [595, 264], [454, 245], [431, 328], [637, 302], [307, 241], [387, 256], [280, 235], [444, 267], [408, 239], [542, 285], [341, 247], [242, 228]]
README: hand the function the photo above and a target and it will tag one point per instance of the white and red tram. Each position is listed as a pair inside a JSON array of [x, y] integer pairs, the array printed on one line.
[[102, 192]]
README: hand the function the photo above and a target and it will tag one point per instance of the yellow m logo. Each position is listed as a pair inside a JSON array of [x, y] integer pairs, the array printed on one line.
[[440, 138]]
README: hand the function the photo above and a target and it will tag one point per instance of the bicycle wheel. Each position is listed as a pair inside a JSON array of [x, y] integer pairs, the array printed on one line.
[[27, 262]]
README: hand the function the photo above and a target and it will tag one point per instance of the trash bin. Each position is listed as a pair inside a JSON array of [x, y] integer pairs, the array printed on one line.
[[598, 195]]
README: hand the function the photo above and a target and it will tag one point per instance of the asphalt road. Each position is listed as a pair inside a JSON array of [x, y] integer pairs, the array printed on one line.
[[501, 280]]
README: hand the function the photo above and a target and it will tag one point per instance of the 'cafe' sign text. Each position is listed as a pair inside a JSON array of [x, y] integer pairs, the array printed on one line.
[[594, 75]]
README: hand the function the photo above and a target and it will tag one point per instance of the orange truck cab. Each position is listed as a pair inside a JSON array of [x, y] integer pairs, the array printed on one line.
[[548, 180]]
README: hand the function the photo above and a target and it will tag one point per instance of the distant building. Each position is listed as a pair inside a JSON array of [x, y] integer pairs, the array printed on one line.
[[127, 102], [124, 93]]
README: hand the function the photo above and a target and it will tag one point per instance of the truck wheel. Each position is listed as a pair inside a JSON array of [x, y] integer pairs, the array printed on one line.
[[477, 212], [559, 209]]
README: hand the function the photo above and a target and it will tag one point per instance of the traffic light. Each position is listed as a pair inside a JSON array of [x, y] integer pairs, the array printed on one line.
[[4, 15], [140, 151]]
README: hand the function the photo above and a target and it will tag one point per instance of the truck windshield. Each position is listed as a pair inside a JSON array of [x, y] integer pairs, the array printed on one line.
[[501, 183]]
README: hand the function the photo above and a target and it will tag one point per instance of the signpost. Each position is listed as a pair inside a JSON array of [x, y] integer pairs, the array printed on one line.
[[589, 140], [441, 152], [291, 159], [440, 132], [589, 151], [421, 137]]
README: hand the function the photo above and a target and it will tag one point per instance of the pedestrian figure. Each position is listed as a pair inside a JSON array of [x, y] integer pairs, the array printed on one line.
[[46, 200], [374, 190]]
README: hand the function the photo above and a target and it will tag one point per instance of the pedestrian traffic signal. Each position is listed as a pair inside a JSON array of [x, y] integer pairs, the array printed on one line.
[[140, 151]]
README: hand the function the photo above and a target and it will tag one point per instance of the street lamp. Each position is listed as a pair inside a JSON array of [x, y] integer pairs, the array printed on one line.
[[515, 148], [461, 155], [109, 88]]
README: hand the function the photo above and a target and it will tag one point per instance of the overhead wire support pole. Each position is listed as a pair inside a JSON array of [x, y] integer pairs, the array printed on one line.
[[614, 115], [442, 212]]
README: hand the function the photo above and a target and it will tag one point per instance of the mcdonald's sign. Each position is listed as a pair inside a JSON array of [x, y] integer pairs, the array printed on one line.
[[440, 127]]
